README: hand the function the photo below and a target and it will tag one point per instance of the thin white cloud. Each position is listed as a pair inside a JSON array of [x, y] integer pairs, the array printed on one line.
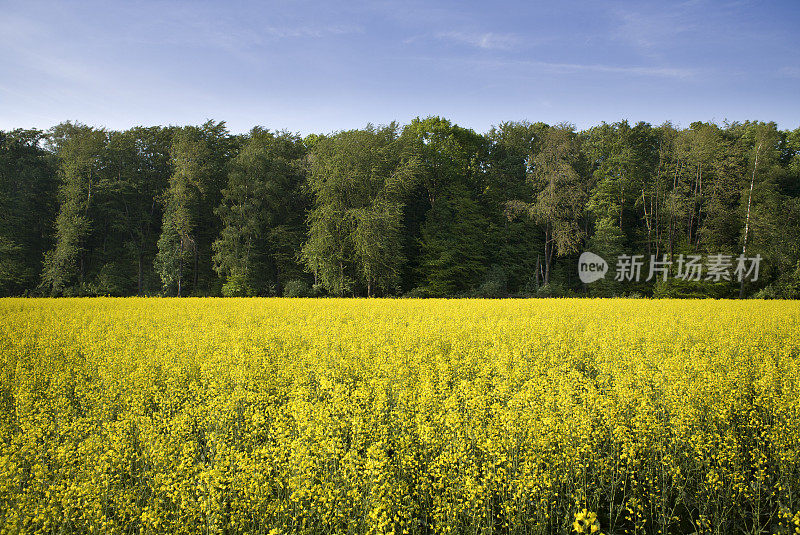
[[529, 67], [486, 41], [653, 30], [790, 72], [207, 30], [27, 51], [668, 72], [648, 32]]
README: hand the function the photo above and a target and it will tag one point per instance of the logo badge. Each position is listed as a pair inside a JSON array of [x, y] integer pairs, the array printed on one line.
[[591, 267]]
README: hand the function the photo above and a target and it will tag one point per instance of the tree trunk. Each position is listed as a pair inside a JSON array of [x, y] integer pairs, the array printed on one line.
[[278, 285], [648, 221], [691, 211], [80, 271], [672, 213], [656, 209], [747, 218], [139, 281], [341, 279], [196, 263], [699, 203], [548, 254], [180, 270]]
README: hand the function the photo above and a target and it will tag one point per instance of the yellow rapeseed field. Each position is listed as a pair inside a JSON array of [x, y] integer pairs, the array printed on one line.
[[405, 416]]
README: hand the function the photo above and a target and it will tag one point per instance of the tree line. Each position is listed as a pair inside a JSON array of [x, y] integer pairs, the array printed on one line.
[[426, 209]]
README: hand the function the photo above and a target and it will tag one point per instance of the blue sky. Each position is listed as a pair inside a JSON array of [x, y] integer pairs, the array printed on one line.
[[317, 66]]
